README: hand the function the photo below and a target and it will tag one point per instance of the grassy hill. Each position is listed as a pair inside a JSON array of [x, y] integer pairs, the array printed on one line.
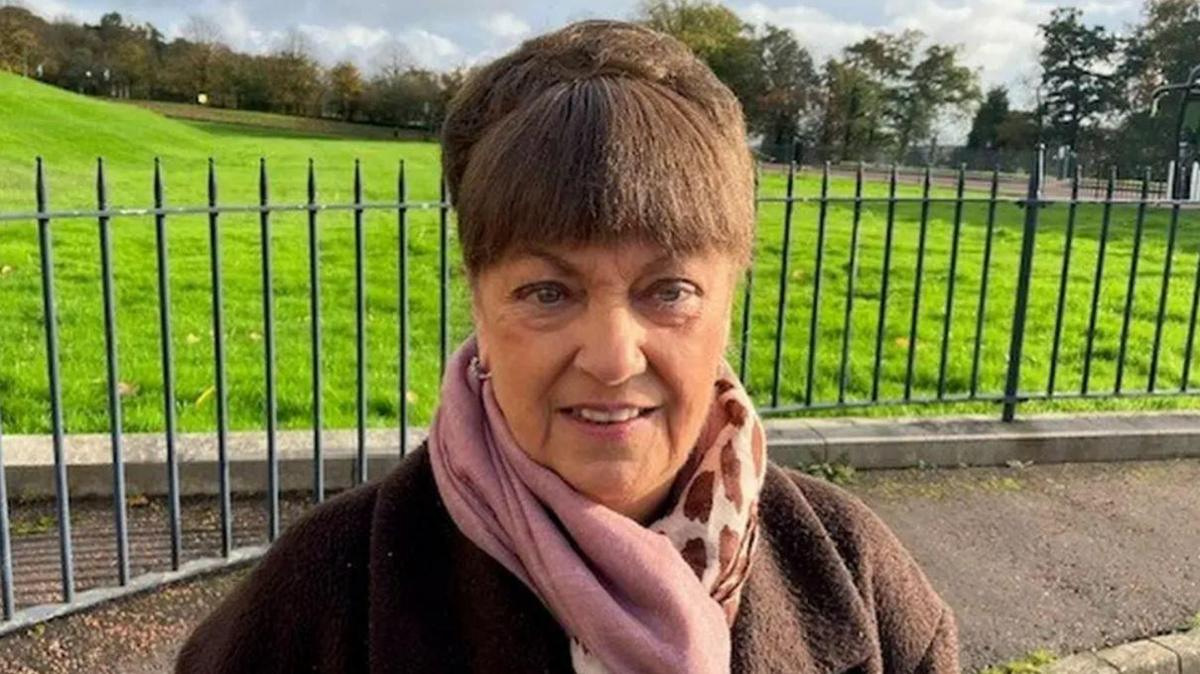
[[70, 131], [306, 126]]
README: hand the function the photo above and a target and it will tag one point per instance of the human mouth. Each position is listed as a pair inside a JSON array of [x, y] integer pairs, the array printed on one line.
[[608, 414], [609, 422]]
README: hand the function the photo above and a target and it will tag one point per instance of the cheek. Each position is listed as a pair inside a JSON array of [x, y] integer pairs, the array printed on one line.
[[688, 366], [525, 366]]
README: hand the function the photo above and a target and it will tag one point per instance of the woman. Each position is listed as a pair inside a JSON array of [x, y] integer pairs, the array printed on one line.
[[594, 495]]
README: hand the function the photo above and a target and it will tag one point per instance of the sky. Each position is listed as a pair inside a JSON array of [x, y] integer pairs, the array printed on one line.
[[999, 38]]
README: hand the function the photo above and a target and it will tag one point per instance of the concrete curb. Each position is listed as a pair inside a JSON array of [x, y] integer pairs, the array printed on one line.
[[1170, 654], [861, 443], [985, 441]]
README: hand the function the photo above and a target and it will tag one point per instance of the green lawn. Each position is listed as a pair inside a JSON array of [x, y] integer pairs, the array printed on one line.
[[70, 131]]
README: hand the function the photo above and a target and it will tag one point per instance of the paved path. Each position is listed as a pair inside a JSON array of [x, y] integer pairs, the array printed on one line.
[[1063, 557]]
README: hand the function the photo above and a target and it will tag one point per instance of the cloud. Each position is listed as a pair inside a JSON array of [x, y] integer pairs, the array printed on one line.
[[431, 50], [349, 42], [237, 30], [822, 34], [349, 36], [505, 25], [1114, 7], [1000, 38], [48, 9], [354, 42]]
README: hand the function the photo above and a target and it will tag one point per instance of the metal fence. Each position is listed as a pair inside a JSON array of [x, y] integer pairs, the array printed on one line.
[[781, 391]]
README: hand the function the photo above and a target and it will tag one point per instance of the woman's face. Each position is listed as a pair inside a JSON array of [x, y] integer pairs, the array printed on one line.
[[603, 360]]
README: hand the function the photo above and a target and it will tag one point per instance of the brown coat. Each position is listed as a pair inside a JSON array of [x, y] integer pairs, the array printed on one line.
[[379, 580]]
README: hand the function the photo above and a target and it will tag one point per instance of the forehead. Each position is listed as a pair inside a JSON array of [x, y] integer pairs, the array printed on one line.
[[603, 260]]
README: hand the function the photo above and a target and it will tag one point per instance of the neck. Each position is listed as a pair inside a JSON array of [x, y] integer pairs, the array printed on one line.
[[650, 507]]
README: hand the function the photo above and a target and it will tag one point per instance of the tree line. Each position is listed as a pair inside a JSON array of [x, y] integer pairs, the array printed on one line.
[[1093, 95], [883, 98], [122, 59]]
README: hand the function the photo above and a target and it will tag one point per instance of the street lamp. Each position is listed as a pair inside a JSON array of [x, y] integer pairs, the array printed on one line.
[[1186, 151]]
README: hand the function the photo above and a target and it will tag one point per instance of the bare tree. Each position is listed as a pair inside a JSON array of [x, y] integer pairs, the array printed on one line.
[[391, 59], [203, 29], [296, 44]]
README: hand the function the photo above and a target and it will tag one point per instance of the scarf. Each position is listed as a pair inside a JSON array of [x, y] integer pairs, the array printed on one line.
[[633, 598]]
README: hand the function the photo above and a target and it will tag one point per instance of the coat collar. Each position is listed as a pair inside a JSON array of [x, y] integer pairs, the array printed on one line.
[[800, 608]]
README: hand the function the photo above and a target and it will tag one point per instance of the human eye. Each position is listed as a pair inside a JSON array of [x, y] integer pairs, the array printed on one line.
[[674, 294], [544, 295]]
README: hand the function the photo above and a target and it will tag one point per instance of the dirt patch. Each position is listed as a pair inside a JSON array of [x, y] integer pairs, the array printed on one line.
[[139, 635]]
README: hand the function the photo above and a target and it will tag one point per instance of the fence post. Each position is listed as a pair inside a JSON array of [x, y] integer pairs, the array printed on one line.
[[1172, 172], [1196, 181], [1020, 309], [1040, 169]]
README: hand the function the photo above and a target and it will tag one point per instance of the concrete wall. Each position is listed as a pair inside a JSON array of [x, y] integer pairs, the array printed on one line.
[[862, 443]]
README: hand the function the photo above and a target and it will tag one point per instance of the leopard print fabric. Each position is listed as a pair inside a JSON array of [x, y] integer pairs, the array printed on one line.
[[714, 520]]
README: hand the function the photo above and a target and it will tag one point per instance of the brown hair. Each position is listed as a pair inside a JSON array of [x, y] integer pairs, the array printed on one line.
[[599, 132]]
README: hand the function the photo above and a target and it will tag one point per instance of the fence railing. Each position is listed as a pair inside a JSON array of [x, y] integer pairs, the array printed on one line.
[[983, 279]]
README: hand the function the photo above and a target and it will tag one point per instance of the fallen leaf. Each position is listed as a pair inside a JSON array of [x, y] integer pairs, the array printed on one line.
[[902, 342], [192, 339], [6, 270], [204, 397], [254, 336], [137, 500], [125, 389], [411, 396]]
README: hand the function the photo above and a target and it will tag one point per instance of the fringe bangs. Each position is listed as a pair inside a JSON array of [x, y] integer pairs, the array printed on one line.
[[607, 159]]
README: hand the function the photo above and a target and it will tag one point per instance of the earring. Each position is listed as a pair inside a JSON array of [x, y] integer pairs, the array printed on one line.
[[476, 368]]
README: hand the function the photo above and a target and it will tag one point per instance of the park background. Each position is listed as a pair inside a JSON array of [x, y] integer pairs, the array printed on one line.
[[119, 89]]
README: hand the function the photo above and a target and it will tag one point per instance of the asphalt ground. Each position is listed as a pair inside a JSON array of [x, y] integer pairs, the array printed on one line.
[[1059, 557]]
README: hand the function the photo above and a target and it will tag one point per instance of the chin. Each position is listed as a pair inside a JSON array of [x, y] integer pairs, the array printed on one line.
[[618, 476], [616, 486]]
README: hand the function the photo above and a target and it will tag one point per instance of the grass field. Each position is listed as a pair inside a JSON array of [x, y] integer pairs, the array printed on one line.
[[70, 132]]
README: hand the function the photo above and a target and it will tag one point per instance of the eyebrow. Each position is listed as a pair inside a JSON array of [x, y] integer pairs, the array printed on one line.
[[569, 269], [555, 261]]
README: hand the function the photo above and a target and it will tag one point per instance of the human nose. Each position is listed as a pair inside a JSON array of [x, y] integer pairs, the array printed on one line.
[[611, 345]]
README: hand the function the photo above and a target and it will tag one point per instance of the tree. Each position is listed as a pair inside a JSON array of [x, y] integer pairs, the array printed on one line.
[[787, 92], [884, 95], [250, 81], [855, 105], [346, 87], [988, 119], [707, 28], [1077, 74], [193, 68], [859, 88], [201, 29], [409, 99], [715, 34], [19, 44], [936, 83], [294, 79], [1018, 131], [1163, 48]]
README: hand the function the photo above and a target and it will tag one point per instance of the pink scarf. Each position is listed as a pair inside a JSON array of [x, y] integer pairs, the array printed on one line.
[[633, 598]]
